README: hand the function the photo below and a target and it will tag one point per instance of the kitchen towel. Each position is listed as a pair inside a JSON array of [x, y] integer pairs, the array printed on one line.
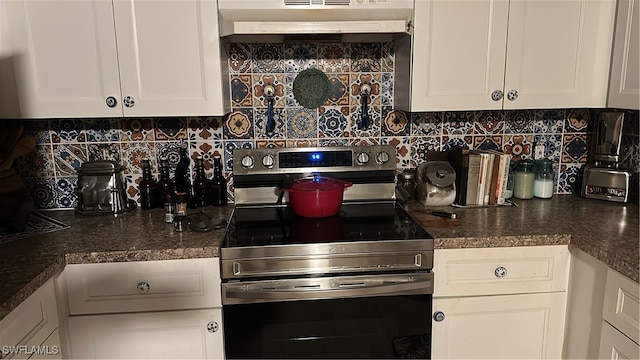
[[36, 224]]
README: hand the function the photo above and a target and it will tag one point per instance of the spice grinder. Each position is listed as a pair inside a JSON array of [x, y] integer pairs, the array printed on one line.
[[603, 178]]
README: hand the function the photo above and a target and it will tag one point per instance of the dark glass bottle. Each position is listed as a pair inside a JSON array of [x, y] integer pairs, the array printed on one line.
[[166, 187], [148, 187], [182, 178], [218, 184], [201, 186]]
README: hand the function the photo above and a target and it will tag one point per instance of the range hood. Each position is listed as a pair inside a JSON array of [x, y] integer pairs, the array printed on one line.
[[252, 17]]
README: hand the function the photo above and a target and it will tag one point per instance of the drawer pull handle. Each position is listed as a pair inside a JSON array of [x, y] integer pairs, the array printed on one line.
[[143, 287], [500, 272], [212, 326], [438, 316]]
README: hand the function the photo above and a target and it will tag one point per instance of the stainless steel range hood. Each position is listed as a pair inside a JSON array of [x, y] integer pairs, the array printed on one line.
[[282, 17]]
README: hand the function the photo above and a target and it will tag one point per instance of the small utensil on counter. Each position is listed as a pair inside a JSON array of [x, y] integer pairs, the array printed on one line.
[[445, 214]]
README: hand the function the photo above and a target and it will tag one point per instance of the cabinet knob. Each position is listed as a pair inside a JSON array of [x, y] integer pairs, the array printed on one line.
[[500, 272], [496, 95], [111, 101], [128, 101], [143, 287], [512, 95], [212, 326], [438, 316]]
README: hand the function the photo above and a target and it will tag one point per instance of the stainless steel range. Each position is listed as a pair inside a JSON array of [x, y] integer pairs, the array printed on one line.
[[354, 285]]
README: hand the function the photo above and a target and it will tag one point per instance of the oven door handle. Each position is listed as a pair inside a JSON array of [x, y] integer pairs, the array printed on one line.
[[326, 288]]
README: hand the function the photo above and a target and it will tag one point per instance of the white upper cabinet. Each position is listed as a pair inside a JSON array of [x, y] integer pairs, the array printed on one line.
[[501, 54], [121, 58], [624, 88]]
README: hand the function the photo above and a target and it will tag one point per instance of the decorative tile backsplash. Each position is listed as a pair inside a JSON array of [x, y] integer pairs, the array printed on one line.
[[64, 144]]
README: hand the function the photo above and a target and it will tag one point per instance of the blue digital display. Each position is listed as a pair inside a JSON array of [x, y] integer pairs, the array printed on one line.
[[316, 157]]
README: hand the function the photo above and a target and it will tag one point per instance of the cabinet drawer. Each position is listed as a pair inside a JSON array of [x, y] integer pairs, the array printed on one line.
[[143, 286], [621, 304], [491, 271], [614, 345], [31, 323]]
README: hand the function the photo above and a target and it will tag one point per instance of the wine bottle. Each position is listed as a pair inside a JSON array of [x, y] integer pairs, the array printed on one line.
[[148, 187], [218, 184], [182, 177], [166, 186], [201, 186]]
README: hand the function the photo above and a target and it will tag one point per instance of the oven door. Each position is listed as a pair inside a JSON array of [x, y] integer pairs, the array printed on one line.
[[370, 316]]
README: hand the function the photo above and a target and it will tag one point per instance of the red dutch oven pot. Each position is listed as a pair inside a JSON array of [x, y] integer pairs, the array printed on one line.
[[316, 197]]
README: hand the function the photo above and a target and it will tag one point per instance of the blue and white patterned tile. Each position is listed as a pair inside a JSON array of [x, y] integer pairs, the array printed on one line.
[[552, 145], [268, 58], [578, 120], [66, 192], [133, 154], [420, 146], [575, 148], [518, 122], [204, 128], [239, 124], [43, 192], [170, 128], [449, 141], [388, 60], [328, 142], [290, 100], [548, 121], [365, 57], [395, 122], [300, 56], [68, 158], [240, 60], [403, 150], [489, 123], [97, 152], [241, 90], [260, 124], [333, 122], [271, 144], [356, 126], [387, 89], [334, 57], [39, 129], [67, 131], [38, 163], [458, 123], [170, 150], [229, 147], [339, 89], [489, 142], [569, 178], [426, 124], [301, 123], [102, 130]]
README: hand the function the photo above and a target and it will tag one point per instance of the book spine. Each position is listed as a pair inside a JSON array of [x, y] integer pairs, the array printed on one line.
[[488, 179], [504, 167], [472, 179]]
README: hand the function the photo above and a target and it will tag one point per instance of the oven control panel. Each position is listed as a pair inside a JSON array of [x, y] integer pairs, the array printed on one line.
[[269, 161]]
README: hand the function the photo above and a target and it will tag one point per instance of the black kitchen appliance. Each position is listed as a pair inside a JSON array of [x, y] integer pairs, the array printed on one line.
[[604, 178], [355, 285]]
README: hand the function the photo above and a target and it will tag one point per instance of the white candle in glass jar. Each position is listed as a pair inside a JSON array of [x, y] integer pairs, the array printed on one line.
[[523, 184], [543, 188]]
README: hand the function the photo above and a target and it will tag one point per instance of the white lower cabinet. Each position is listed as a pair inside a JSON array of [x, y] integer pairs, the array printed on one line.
[[614, 345], [499, 327], [188, 334], [500, 303]]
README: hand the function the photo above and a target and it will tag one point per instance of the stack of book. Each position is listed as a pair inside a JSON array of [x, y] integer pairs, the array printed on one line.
[[481, 176]]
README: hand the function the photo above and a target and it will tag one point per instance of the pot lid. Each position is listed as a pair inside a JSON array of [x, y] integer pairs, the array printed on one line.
[[311, 88], [318, 183], [439, 173]]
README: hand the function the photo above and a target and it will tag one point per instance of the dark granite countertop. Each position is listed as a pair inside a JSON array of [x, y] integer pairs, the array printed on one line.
[[608, 231]]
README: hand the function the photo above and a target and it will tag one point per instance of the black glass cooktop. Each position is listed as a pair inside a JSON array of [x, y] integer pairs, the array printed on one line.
[[278, 225]]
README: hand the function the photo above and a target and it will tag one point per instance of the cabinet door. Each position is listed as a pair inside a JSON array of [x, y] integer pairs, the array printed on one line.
[[63, 58], [558, 53], [510, 326], [458, 54], [192, 334], [169, 57], [624, 89], [614, 345]]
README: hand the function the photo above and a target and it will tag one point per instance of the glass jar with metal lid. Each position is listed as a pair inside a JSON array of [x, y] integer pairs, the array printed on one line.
[[407, 182], [523, 179]]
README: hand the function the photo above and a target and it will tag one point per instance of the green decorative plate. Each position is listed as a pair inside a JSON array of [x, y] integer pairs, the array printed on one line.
[[311, 88]]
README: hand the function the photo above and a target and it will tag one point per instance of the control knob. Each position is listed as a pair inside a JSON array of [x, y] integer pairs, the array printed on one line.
[[382, 157], [247, 161], [268, 161], [362, 158]]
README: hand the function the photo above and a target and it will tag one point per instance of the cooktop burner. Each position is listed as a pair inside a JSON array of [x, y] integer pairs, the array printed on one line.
[[360, 221]]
